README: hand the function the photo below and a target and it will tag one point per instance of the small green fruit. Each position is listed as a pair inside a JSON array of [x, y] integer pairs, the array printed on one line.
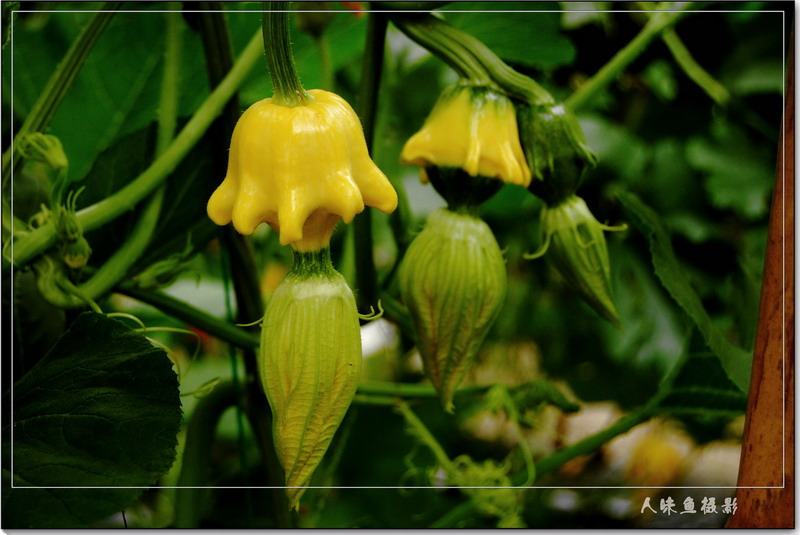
[[453, 280], [310, 361]]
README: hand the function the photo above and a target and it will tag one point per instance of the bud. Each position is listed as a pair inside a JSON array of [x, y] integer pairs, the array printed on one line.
[[44, 148], [300, 169], [453, 280], [161, 273], [310, 361], [76, 254], [556, 150], [576, 246], [68, 228], [474, 129], [166, 271]]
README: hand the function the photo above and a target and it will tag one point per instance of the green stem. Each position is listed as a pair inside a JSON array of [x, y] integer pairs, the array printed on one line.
[[470, 57], [420, 431], [117, 266], [168, 101], [369, 88], [59, 83], [410, 390], [609, 72], [193, 316], [525, 448], [693, 70], [278, 48], [191, 503], [111, 207], [367, 399], [401, 222], [218, 53], [422, 30], [552, 462]]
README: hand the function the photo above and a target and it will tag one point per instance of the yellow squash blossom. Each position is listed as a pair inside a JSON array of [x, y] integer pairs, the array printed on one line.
[[474, 129], [300, 169]]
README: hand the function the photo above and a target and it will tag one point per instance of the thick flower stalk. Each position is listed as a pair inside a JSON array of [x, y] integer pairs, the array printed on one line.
[[453, 280], [473, 129], [310, 361], [575, 244], [301, 169]]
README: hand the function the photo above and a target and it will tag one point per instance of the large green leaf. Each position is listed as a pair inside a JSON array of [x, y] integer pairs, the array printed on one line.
[[735, 361], [100, 410], [117, 90], [114, 89]]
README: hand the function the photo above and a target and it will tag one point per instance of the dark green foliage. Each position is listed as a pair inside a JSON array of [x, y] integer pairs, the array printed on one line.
[[101, 409]]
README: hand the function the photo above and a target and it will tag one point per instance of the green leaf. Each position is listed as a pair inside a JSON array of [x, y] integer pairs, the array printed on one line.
[[101, 409], [738, 178], [98, 105], [661, 79], [735, 361], [531, 39], [617, 149], [651, 335], [757, 78], [183, 212], [702, 387]]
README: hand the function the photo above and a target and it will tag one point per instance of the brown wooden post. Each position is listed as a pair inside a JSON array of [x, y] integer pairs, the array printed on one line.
[[768, 447]]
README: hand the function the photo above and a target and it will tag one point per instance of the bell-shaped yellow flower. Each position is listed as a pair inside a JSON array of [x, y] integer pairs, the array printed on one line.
[[300, 169], [472, 128]]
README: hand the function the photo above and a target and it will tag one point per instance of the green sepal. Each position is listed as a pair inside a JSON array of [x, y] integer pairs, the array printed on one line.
[[307, 264], [462, 191]]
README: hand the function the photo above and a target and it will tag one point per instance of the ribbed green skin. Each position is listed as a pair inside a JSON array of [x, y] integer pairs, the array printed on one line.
[[579, 253], [556, 149], [310, 361], [453, 281]]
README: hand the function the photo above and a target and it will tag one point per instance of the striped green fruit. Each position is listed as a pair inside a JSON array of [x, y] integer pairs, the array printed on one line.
[[453, 281], [310, 361]]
